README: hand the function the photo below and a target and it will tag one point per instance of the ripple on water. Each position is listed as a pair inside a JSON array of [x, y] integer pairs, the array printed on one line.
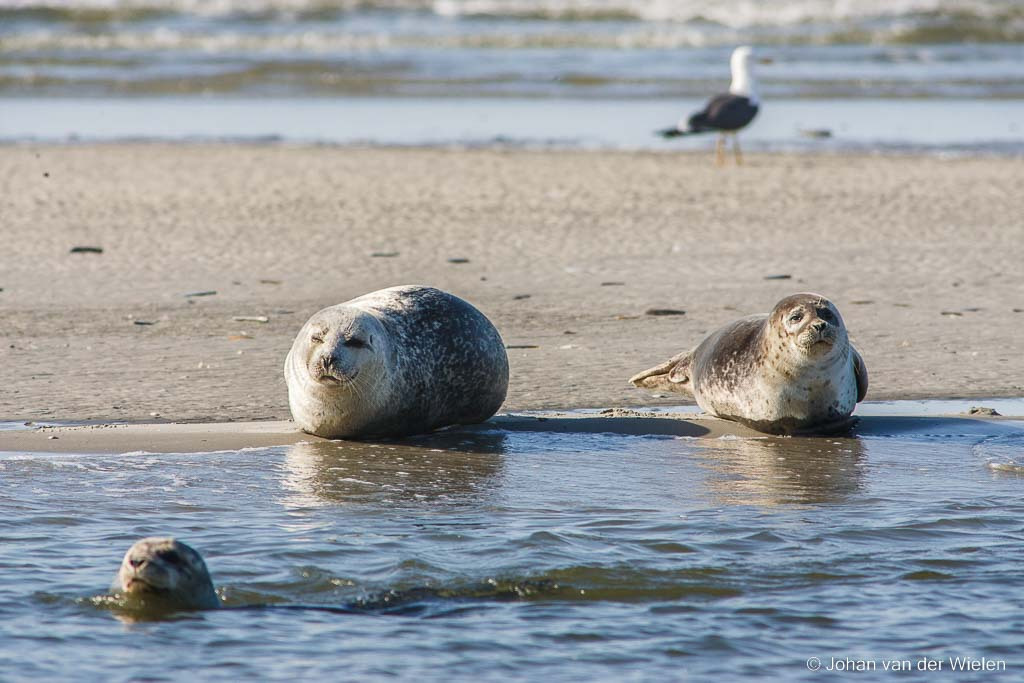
[[1003, 454]]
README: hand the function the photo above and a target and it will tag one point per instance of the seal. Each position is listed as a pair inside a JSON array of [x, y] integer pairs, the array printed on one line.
[[398, 361], [164, 573], [793, 370]]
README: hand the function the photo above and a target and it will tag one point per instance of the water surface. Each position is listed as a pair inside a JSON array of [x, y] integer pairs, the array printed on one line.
[[518, 555], [907, 74]]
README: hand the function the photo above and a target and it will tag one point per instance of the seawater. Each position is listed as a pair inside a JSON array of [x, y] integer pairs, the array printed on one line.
[[906, 74], [524, 555]]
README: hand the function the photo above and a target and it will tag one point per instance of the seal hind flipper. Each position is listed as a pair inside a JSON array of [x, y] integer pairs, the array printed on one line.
[[672, 375], [861, 371]]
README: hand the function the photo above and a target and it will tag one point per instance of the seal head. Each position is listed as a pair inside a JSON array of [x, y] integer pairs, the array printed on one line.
[[164, 573], [789, 371]]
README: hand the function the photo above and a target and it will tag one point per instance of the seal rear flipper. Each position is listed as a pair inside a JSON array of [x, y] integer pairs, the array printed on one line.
[[672, 375], [861, 372]]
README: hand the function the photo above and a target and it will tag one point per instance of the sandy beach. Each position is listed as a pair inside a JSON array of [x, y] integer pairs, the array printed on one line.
[[565, 251]]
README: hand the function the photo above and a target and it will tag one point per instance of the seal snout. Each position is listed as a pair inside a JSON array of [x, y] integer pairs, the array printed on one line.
[[329, 369], [818, 332]]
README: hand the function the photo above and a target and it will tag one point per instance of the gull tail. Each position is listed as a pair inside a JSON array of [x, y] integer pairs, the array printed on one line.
[[673, 132]]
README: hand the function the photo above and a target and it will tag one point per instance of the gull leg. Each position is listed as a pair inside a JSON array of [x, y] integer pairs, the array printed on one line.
[[736, 149], [720, 150]]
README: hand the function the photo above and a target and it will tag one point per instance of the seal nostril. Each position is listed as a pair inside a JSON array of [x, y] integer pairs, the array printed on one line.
[[137, 562]]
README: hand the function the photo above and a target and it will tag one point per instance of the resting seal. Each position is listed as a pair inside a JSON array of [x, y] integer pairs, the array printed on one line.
[[791, 370], [394, 362], [163, 573]]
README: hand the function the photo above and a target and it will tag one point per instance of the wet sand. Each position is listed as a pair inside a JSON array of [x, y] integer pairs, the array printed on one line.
[[234, 436], [564, 250]]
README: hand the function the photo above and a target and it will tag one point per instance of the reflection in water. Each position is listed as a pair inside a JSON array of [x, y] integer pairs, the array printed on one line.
[[443, 466], [778, 470]]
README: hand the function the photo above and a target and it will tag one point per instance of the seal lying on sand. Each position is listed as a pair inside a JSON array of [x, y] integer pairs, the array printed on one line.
[[398, 361], [162, 573], [791, 370]]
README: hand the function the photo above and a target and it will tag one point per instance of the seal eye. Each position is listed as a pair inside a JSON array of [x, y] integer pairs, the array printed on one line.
[[796, 316], [169, 556], [356, 343]]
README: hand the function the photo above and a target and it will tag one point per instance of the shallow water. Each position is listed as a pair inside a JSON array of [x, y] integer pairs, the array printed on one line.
[[892, 124], [517, 555]]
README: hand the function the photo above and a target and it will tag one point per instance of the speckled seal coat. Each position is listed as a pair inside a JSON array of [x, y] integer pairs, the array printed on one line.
[[394, 362], [789, 371]]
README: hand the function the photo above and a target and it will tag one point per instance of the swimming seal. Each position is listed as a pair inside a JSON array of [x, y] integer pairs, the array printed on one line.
[[790, 371], [164, 573], [398, 361]]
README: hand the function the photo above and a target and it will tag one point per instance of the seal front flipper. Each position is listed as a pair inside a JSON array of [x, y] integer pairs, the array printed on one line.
[[672, 375], [861, 371]]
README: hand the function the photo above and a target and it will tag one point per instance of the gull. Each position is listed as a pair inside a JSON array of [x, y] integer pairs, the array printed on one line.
[[726, 113]]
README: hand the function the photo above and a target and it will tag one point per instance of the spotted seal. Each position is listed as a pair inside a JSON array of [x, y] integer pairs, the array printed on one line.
[[398, 361], [789, 371], [163, 573]]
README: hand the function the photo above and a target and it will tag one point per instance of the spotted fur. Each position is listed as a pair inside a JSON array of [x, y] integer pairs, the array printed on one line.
[[791, 370], [398, 361]]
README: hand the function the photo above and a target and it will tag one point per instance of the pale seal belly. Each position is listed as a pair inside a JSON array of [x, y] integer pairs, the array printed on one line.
[[789, 371], [394, 362]]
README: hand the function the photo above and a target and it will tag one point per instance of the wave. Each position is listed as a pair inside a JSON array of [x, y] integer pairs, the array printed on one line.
[[781, 21]]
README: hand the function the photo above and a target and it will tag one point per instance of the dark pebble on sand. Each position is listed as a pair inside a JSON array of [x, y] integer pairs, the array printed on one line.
[[521, 346], [568, 332], [384, 254], [270, 282], [778, 277], [613, 284], [664, 311], [458, 260], [46, 175], [953, 314], [1016, 310], [862, 302], [209, 292], [520, 297], [143, 322], [86, 250]]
